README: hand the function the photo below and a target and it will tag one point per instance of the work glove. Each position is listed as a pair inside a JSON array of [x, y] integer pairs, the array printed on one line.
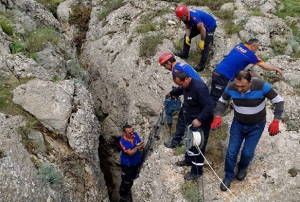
[[201, 45], [274, 128], [187, 40], [217, 123]]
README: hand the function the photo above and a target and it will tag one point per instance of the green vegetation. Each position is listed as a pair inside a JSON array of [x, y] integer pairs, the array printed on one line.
[[78, 73], [292, 125], [225, 14], [290, 8], [6, 104], [6, 25], [278, 47], [149, 44], [189, 190], [38, 39], [32, 123], [34, 42], [109, 7], [212, 4], [50, 175], [55, 78], [231, 28], [180, 150], [256, 12], [51, 5], [149, 26]]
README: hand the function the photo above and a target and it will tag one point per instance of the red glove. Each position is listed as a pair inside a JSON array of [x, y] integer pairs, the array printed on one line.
[[274, 128], [217, 123]]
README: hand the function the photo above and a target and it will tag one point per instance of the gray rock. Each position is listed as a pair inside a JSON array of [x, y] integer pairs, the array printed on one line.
[[50, 103]]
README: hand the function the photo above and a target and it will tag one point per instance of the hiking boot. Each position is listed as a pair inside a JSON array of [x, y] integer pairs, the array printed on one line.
[[182, 163], [181, 55], [241, 174], [225, 184], [172, 145], [199, 68], [191, 176]]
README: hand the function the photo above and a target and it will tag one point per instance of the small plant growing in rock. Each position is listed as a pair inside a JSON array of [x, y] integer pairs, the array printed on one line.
[[111, 6], [225, 14], [189, 190], [149, 44], [278, 47], [38, 39], [231, 28], [51, 5], [180, 150], [50, 175], [6, 26]]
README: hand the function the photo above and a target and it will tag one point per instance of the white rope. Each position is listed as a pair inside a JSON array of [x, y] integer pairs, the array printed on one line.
[[219, 177], [196, 142]]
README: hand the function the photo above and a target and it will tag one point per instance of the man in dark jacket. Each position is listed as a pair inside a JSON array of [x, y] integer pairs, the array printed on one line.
[[198, 109]]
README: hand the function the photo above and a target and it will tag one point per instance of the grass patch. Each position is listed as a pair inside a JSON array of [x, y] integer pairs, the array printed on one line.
[[290, 8], [149, 44], [6, 25], [38, 39], [50, 175], [295, 40], [232, 28], [34, 42], [146, 27], [256, 12], [189, 191], [225, 14], [278, 47], [180, 150], [51, 5], [109, 7]]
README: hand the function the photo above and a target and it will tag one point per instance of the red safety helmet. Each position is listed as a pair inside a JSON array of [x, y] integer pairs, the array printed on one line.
[[181, 10], [164, 58]]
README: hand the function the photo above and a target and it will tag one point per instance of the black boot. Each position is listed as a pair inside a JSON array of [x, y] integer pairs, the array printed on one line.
[[181, 55], [199, 67]]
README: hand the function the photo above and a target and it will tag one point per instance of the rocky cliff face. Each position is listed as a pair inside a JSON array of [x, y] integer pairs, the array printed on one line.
[[122, 84]]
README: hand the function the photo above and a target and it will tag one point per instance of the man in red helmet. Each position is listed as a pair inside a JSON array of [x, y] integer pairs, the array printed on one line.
[[196, 22], [168, 61]]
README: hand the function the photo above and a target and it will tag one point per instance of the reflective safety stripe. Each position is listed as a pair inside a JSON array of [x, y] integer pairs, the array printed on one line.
[[197, 164]]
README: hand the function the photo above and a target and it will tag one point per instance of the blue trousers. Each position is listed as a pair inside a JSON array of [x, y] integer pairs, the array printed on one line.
[[239, 133]]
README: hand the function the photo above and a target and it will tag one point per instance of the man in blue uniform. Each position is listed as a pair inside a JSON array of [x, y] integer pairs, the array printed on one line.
[[131, 144], [168, 61], [249, 121], [199, 112], [196, 22], [238, 59]]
